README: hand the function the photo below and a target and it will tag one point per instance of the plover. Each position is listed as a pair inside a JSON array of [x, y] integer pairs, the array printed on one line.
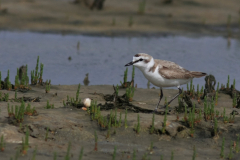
[[163, 73]]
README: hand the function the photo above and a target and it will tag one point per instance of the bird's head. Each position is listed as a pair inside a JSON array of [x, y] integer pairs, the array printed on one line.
[[140, 60]]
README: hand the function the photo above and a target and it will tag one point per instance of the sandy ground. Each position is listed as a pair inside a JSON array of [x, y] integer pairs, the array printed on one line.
[[181, 17], [70, 124]]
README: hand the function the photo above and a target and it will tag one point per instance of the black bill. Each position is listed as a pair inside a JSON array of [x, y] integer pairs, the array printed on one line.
[[129, 64]]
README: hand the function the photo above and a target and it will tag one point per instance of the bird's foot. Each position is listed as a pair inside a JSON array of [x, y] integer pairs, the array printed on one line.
[[155, 110]]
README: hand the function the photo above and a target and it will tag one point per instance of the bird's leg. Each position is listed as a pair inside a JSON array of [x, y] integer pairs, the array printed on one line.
[[161, 95], [180, 91]]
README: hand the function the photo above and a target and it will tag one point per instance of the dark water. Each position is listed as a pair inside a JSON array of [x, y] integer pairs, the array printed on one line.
[[104, 57]]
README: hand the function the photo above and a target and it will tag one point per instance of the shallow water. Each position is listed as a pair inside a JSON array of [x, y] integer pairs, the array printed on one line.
[[104, 57]]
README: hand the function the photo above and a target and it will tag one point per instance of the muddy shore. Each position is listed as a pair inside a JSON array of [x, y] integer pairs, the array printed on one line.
[[183, 17], [70, 124]]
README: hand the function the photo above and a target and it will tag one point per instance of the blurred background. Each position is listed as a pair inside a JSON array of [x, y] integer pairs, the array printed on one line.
[[98, 37]]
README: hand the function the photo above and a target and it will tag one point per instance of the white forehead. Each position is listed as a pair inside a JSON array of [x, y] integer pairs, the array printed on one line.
[[142, 55]]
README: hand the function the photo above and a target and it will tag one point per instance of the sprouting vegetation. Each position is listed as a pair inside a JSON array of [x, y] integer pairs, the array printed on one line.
[[75, 102], [222, 148], [141, 7], [47, 88], [130, 21], [20, 111], [81, 154], [36, 77], [67, 156], [130, 93], [2, 144], [152, 126], [114, 153], [46, 136], [49, 106], [25, 142]]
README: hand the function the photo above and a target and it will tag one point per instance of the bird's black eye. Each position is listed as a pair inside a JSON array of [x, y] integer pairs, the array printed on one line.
[[140, 59]]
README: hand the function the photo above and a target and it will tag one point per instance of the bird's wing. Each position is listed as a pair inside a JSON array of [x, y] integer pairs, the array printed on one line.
[[175, 73]]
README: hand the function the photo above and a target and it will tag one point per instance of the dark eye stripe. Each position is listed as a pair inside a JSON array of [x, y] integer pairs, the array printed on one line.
[[137, 55]]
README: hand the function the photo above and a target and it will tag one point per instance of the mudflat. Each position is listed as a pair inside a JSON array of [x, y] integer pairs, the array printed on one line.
[[67, 123], [122, 17]]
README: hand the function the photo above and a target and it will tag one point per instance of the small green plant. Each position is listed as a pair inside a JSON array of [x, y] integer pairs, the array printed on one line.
[[8, 83], [125, 76], [96, 141], [20, 111], [161, 158], [191, 87], [55, 156], [172, 155], [133, 73], [46, 136], [125, 120], [48, 106], [67, 157], [36, 71], [222, 148], [215, 127], [34, 154], [228, 82], [113, 21], [120, 120], [15, 95], [6, 97], [114, 153], [141, 7], [130, 93], [194, 153], [134, 155], [188, 88], [224, 112], [77, 93], [25, 142], [151, 147], [81, 154], [130, 21], [36, 77], [202, 90], [47, 89], [40, 81], [16, 82], [216, 98], [2, 144], [193, 92], [234, 104], [152, 127], [237, 144]]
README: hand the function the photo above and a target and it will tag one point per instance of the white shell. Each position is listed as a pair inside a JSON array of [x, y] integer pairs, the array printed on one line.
[[87, 102]]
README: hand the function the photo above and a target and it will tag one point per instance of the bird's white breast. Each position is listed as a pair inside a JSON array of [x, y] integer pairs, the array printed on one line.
[[156, 79]]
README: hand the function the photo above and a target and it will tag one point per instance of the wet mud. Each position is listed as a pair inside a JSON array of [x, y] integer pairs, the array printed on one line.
[[68, 123]]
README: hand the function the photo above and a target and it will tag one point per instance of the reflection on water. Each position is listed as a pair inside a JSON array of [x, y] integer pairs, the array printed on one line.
[[104, 57]]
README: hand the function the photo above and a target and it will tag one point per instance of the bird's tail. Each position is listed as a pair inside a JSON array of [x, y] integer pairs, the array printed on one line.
[[198, 74]]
